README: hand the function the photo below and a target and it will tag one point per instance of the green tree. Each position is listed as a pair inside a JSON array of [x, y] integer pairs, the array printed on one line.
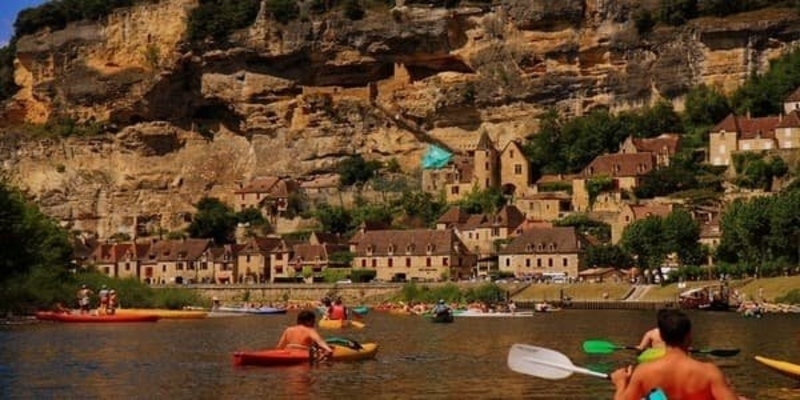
[[607, 256], [334, 219], [482, 201], [588, 226], [213, 220], [217, 19], [763, 95], [705, 106], [355, 170], [421, 205], [643, 239], [682, 236]]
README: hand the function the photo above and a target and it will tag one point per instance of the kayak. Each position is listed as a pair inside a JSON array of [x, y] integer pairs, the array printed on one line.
[[164, 314], [783, 367], [443, 317], [87, 318], [360, 310], [285, 357], [255, 311], [471, 313], [340, 324]]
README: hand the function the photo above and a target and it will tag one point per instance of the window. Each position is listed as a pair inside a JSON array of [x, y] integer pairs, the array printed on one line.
[[374, 263], [528, 262], [363, 263], [408, 262], [444, 261], [429, 248], [107, 270], [486, 166], [204, 265], [529, 248], [508, 262], [279, 256], [518, 169], [390, 250], [495, 231], [539, 262], [127, 266], [511, 154], [179, 266], [427, 261], [163, 267], [454, 190], [248, 258], [550, 262], [565, 262], [390, 262]]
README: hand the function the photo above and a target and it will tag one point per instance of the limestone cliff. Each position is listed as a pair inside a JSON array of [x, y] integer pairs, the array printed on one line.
[[293, 99]]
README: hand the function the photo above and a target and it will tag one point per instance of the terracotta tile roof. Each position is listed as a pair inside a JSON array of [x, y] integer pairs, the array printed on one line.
[[414, 242], [711, 229], [260, 245], [530, 224], [748, 128], [218, 253], [453, 216], [309, 252], [666, 143], [642, 211], [794, 96], [557, 178], [262, 184], [625, 165], [563, 196], [474, 221], [791, 120], [137, 251], [509, 217], [325, 238], [177, 250], [557, 240], [108, 252]]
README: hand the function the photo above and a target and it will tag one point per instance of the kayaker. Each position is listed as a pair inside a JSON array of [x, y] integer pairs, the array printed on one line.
[[440, 308], [111, 307], [103, 293], [651, 339], [677, 374], [337, 311], [303, 335], [83, 299]]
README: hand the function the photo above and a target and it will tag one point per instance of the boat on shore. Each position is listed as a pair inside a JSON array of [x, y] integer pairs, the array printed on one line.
[[248, 310], [90, 318], [164, 313]]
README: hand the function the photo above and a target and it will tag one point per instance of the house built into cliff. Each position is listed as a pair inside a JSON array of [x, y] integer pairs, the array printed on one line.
[[269, 194]]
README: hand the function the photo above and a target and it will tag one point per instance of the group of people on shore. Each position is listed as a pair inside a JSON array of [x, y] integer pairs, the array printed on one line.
[[107, 304]]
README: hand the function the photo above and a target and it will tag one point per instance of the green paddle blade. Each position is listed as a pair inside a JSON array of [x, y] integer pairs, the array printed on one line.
[[599, 347]]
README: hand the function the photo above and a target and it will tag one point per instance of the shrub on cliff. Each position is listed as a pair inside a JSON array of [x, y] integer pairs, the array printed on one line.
[[56, 15], [217, 19], [7, 85]]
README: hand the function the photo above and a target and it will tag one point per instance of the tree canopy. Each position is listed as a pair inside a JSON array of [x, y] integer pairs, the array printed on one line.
[[213, 220]]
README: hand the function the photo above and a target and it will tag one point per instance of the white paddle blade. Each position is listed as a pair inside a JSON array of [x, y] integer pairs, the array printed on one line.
[[539, 362], [544, 363]]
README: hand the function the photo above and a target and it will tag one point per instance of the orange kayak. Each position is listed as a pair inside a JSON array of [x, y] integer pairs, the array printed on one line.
[[87, 318], [285, 357]]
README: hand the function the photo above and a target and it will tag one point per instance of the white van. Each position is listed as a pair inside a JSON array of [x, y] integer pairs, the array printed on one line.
[[555, 277]]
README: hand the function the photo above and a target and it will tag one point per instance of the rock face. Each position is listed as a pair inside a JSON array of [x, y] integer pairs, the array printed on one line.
[[294, 99]]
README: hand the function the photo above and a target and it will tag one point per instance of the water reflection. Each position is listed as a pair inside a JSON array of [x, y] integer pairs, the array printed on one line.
[[416, 360]]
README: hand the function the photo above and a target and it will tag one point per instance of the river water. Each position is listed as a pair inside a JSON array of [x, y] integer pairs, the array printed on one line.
[[417, 359]]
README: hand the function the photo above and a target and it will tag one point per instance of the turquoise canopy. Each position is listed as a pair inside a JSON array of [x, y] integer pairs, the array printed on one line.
[[436, 157]]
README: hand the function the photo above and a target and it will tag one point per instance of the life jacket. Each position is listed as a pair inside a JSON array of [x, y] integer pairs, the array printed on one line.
[[338, 312]]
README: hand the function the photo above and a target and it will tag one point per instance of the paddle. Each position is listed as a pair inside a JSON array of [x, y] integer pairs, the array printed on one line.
[[603, 347], [544, 363], [654, 354]]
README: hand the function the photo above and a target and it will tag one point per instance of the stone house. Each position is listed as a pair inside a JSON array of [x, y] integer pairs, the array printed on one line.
[[663, 146], [635, 212], [130, 263], [453, 217], [223, 262], [281, 269], [545, 206], [710, 232], [544, 252], [625, 171], [253, 259], [104, 258], [175, 261], [735, 133], [515, 170], [315, 259], [482, 233], [269, 194], [418, 254]]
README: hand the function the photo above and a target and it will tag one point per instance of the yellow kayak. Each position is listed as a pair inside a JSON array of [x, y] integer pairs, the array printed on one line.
[[164, 314], [340, 324], [783, 367], [344, 353]]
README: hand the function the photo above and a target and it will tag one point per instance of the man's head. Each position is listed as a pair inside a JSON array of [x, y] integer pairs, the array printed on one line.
[[306, 318], [675, 328]]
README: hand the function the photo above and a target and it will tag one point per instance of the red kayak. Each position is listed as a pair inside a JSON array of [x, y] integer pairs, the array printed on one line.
[[87, 318]]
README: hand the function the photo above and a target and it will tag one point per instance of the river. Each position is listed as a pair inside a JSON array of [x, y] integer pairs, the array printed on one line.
[[417, 359]]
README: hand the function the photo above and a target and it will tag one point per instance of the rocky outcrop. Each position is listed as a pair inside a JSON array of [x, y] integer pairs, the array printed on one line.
[[294, 99]]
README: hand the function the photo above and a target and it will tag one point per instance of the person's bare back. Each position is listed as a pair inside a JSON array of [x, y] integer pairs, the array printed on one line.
[[681, 377], [651, 339]]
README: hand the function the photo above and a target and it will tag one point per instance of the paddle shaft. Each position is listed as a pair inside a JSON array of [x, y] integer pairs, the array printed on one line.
[[571, 368]]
